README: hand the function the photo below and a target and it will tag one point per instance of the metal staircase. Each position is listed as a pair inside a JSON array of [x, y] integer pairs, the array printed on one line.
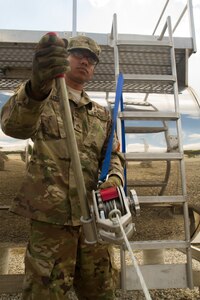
[[152, 69]]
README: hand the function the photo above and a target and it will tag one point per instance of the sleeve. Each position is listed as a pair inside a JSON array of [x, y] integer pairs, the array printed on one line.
[[20, 116]]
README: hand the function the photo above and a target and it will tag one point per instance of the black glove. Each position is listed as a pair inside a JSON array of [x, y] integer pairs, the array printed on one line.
[[49, 61]]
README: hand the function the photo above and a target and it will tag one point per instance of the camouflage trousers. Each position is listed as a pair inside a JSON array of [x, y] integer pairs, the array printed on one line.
[[57, 259]]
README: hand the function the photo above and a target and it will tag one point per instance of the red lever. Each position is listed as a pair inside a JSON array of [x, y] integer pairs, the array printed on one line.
[[109, 193]]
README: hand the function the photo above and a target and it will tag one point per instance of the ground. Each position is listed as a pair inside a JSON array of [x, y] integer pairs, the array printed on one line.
[[153, 223], [14, 229]]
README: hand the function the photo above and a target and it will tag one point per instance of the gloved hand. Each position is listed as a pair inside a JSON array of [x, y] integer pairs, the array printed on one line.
[[113, 180], [50, 60]]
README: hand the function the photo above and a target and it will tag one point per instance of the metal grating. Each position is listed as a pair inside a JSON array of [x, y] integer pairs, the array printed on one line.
[[141, 58]]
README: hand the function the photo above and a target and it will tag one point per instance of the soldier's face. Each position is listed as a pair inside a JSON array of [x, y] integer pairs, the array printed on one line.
[[82, 69]]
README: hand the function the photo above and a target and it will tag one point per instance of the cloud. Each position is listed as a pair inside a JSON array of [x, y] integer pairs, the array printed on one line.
[[194, 146], [10, 144], [195, 136], [2, 135], [137, 147], [14, 146], [140, 148]]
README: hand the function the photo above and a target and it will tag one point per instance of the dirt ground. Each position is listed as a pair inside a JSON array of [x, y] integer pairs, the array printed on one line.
[[154, 223], [14, 229]]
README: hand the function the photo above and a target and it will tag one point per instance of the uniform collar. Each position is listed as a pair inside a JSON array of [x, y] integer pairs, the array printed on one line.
[[85, 99]]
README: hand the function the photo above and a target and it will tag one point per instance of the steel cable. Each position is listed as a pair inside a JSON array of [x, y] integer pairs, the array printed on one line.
[[135, 263]]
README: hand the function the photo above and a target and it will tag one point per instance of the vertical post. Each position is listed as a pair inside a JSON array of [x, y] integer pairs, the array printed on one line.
[[182, 163], [123, 267], [74, 18], [116, 61], [192, 27]]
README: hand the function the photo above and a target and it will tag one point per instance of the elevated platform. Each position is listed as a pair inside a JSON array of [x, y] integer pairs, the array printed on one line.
[[141, 55]]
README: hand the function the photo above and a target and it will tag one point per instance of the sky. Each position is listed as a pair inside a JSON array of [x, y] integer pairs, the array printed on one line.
[[133, 16]]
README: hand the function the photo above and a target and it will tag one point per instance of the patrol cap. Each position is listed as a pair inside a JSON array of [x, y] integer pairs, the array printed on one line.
[[84, 42]]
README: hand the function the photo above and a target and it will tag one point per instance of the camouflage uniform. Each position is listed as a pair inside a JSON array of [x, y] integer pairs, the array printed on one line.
[[64, 260], [49, 197]]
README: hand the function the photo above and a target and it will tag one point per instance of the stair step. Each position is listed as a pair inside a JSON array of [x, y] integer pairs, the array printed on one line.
[[162, 199], [147, 77], [130, 129], [135, 156], [159, 244], [146, 183], [145, 44], [144, 115], [160, 276]]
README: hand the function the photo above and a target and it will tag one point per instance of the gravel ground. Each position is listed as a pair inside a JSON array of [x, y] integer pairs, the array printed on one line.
[[16, 266], [154, 223]]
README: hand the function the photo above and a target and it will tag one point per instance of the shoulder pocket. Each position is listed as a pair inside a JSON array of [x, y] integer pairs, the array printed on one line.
[[51, 122], [49, 126]]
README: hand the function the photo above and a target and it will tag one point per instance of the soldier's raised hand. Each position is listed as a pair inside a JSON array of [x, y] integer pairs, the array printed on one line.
[[49, 61]]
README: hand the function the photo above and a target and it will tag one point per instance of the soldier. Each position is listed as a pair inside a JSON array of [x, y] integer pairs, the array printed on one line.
[[57, 258]]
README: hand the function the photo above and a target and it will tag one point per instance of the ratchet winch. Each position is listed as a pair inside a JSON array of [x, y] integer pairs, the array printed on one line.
[[112, 215], [107, 205]]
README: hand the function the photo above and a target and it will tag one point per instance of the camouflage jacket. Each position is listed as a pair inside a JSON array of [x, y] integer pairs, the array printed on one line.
[[49, 191]]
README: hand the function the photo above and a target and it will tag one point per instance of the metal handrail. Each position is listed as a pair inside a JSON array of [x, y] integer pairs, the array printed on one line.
[[162, 13], [191, 21], [179, 19]]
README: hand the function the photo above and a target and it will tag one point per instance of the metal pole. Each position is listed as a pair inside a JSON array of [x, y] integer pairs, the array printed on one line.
[[192, 26], [179, 19], [74, 18], [116, 61], [88, 225], [160, 17]]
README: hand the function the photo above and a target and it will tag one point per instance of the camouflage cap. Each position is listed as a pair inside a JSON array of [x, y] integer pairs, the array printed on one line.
[[84, 42]]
